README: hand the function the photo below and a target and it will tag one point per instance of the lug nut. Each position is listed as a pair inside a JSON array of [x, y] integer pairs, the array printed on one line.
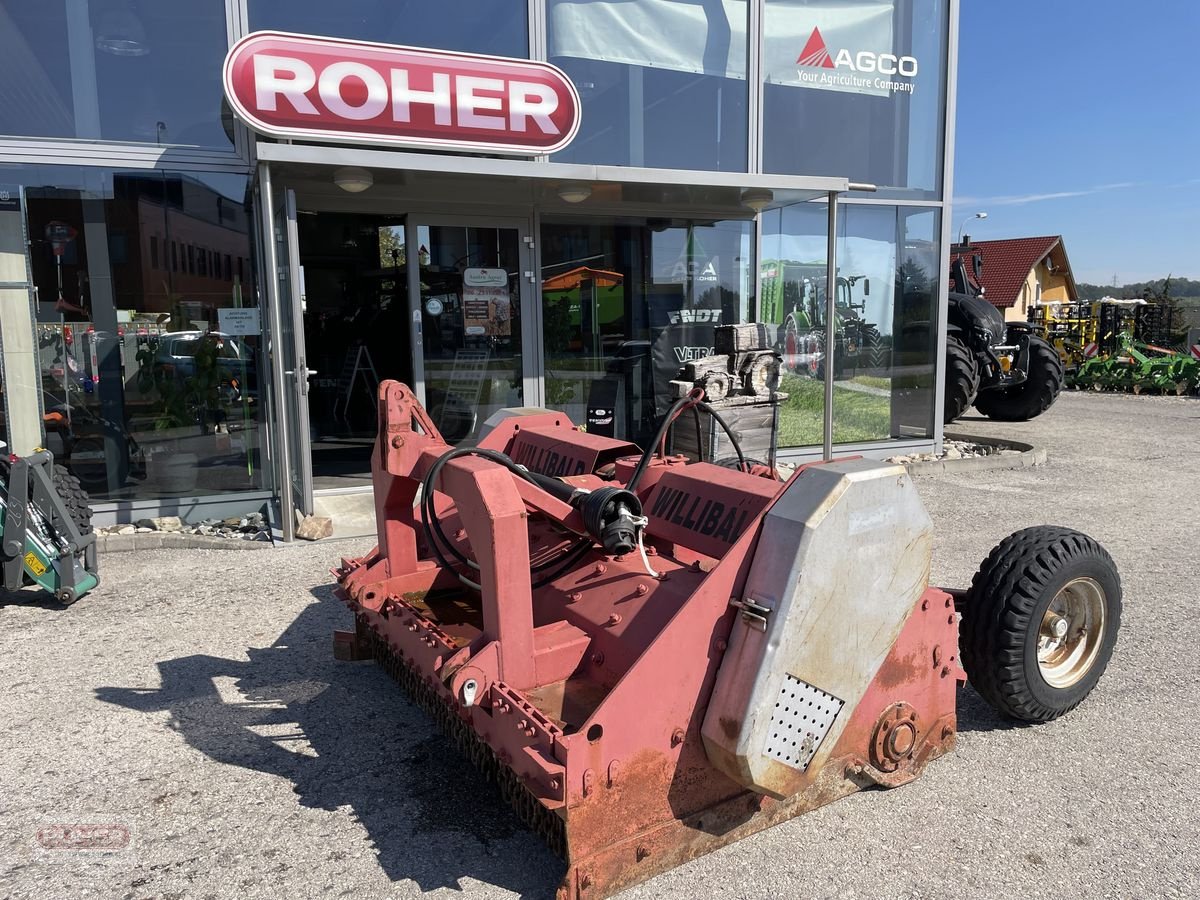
[[614, 619], [641, 589]]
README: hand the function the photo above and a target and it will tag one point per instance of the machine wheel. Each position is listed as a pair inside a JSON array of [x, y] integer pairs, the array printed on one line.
[[873, 352], [962, 379], [75, 498], [1032, 397], [1040, 621]]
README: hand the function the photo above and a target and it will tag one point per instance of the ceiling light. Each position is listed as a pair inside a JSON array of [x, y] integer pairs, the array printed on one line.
[[575, 193], [120, 33], [757, 198], [353, 179]]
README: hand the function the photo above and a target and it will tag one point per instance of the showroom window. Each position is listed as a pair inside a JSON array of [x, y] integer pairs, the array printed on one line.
[[115, 70], [663, 84], [855, 88], [626, 302], [884, 354], [498, 27], [151, 388]]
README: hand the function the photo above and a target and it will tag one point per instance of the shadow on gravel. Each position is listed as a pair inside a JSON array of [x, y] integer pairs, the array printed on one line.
[[345, 735], [976, 714]]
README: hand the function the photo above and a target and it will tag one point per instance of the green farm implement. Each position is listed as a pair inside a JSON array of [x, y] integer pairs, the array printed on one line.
[[46, 535], [1140, 368]]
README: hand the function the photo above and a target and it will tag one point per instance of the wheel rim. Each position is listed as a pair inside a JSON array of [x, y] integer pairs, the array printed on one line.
[[1071, 632]]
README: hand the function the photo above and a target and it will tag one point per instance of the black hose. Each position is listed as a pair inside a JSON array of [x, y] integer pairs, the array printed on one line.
[[676, 408], [433, 528], [728, 431]]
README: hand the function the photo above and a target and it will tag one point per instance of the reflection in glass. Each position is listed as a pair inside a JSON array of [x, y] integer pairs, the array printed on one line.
[[498, 27], [150, 370], [663, 84], [828, 107], [117, 70], [625, 303], [471, 325], [883, 356]]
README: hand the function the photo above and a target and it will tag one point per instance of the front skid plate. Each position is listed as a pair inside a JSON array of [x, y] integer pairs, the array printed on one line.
[[657, 849]]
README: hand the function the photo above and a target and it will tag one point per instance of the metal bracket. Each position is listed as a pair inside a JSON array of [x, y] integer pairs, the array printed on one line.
[[754, 613]]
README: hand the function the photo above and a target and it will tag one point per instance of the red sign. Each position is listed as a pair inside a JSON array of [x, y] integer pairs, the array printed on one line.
[[298, 86], [1196, 350]]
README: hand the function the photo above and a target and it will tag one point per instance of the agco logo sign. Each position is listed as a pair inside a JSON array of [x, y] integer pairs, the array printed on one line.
[[816, 55], [316, 88]]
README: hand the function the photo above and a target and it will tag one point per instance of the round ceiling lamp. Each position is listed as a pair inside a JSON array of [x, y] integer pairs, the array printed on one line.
[[352, 179], [575, 193], [757, 198]]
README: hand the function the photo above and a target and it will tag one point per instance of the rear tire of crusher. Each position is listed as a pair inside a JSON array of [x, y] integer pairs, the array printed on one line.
[[962, 379], [75, 498], [1033, 396], [1040, 622]]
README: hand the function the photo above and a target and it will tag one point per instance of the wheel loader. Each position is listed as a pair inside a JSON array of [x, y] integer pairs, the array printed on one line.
[[46, 535], [655, 657]]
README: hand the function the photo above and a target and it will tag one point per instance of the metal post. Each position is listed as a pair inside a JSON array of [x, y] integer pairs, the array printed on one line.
[[830, 327]]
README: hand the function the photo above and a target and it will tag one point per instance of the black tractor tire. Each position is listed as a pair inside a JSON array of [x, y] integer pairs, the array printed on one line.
[[962, 379], [872, 353], [75, 498], [1033, 396], [1010, 650]]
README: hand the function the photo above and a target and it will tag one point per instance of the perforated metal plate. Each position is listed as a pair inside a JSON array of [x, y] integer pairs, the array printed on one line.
[[802, 717]]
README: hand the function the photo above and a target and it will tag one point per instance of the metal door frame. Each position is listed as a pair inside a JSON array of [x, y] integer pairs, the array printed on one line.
[[531, 312], [288, 384]]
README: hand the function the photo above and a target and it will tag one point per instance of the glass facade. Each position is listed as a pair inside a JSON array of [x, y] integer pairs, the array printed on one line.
[[148, 334], [153, 363], [856, 88], [885, 300], [626, 302], [497, 27], [663, 85], [115, 70]]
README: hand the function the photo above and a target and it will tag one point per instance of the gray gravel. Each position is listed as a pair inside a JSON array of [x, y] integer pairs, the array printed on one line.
[[194, 698]]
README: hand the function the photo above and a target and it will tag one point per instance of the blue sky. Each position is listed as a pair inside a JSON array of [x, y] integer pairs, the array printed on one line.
[[1083, 119]]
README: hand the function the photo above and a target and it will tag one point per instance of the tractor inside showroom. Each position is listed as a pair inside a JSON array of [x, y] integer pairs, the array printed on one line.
[[1003, 369], [656, 657]]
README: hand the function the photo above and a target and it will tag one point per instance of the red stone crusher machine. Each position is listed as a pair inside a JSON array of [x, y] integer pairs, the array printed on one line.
[[655, 657]]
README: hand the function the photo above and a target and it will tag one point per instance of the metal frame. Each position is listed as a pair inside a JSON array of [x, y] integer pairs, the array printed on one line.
[[943, 290]]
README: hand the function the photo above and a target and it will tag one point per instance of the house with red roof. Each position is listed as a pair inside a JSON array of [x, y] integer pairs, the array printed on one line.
[[1020, 272]]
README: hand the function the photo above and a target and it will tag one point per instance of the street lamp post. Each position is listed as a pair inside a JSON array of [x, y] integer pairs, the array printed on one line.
[[978, 215]]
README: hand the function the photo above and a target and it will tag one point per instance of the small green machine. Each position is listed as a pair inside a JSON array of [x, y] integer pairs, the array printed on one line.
[[46, 535]]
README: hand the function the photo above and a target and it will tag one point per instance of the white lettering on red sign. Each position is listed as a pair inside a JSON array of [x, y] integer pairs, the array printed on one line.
[[308, 87]]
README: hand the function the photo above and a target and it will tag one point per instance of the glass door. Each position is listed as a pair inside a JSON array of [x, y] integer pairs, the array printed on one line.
[[472, 286], [290, 372]]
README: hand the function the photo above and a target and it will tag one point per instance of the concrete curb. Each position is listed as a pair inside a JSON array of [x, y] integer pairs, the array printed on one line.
[[1028, 456], [167, 540]]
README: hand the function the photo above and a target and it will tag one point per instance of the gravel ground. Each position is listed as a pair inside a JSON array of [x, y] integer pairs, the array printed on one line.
[[194, 698]]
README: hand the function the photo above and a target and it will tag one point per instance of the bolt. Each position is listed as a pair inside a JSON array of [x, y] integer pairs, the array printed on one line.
[[676, 737], [601, 568], [642, 853], [614, 619], [696, 565], [641, 589], [555, 784], [937, 656], [397, 442], [597, 658], [721, 645], [651, 550], [460, 534], [575, 596]]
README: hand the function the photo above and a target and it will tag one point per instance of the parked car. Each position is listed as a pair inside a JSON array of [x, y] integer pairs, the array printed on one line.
[[176, 355]]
